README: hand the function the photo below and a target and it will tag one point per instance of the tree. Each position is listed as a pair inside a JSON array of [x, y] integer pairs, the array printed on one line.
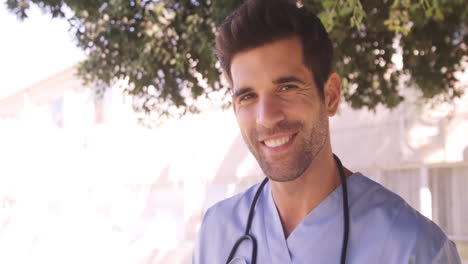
[[164, 47]]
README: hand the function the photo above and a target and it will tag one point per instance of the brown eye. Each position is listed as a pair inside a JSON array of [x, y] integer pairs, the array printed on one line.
[[246, 97], [287, 87]]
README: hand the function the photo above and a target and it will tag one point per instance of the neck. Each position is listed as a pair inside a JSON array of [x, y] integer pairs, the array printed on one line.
[[296, 199]]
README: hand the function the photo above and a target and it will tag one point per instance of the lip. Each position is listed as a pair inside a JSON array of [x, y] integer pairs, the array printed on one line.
[[276, 136], [279, 148]]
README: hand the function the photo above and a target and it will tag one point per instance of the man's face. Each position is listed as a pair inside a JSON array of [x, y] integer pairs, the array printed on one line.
[[278, 108]]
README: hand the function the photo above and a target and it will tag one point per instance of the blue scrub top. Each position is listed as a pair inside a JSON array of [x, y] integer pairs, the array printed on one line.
[[383, 229]]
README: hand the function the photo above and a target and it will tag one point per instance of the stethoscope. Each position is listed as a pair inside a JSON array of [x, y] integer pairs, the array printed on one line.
[[250, 238]]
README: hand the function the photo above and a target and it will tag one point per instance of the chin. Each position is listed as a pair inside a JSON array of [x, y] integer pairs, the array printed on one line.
[[283, 178], [281, 175]]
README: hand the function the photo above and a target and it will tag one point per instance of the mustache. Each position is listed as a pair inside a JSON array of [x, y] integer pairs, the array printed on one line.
[[280, 127]]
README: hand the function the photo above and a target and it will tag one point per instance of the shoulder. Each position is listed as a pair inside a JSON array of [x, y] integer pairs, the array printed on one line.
[[372, 201], [409, 234], [222, 224], [393, 211], [230, 209], [424, 240]]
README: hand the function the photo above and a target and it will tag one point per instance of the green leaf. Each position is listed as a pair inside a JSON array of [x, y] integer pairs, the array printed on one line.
[[147, 45], [327, 4], [345, 11]]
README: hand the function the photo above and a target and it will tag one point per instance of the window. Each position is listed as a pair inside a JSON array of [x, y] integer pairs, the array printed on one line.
[[450, 200], [56, 109], [406, 183]]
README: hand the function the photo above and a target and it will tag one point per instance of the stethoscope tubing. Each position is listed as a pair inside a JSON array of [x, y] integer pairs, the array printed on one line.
[[345, 209], [247, 235]]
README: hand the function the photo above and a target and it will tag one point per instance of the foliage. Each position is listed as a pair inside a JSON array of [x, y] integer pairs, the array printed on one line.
[[164, 47]]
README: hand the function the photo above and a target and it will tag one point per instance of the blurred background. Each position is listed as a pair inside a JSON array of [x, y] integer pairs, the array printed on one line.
[[120, 167]]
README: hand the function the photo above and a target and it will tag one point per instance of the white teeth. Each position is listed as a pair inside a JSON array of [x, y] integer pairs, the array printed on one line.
[[277, 142]]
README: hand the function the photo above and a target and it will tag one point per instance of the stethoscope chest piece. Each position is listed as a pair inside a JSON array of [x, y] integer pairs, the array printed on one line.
[[237, 260]]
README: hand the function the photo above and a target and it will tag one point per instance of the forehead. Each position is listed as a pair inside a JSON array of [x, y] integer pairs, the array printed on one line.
[[268, 62]]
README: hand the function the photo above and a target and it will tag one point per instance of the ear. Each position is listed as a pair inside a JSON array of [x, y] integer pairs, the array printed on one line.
[[332, 93]]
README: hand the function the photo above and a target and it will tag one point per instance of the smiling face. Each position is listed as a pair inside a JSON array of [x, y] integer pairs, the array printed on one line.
[[281, 115]]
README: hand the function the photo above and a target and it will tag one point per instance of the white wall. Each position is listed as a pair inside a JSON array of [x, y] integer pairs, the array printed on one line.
[[77, 186]]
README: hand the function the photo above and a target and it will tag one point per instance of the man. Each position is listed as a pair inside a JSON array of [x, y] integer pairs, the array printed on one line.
[[277, 58]]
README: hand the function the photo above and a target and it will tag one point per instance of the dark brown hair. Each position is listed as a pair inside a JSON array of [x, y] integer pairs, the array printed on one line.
[[258, 22]]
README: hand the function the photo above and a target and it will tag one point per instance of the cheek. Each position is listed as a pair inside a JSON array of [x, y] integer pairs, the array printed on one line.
[[300, 108], [245, 120]]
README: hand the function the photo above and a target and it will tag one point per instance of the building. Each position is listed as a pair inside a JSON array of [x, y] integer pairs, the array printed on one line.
[[83, 182]]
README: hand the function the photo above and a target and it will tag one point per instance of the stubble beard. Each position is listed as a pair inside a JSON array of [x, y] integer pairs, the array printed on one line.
[[307, 146]]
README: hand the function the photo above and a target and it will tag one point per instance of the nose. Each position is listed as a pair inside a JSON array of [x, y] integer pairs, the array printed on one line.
[[269, 112]]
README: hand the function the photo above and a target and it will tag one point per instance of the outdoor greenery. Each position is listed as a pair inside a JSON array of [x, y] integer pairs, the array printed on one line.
[[165, 47]]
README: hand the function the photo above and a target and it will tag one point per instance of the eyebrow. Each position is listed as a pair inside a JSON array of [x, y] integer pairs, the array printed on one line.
[[241, 91], [288, 79]]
